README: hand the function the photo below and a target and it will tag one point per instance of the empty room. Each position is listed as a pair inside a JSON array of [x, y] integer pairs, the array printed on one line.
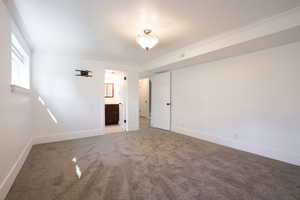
[[150, 100]]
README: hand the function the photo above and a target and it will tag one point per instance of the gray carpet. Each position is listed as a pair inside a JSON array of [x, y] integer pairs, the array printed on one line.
[[151, 164]]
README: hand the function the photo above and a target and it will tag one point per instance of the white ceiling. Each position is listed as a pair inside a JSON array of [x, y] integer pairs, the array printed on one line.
[[106, 29]]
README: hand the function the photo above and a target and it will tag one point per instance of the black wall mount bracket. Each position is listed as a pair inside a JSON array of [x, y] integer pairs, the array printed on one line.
[[84, 73]]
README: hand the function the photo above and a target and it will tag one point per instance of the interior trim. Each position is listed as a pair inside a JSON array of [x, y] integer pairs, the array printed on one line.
[[14, 171], [268, 152]]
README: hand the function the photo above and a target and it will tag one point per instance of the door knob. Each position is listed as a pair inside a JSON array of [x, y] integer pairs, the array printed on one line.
[[168, 104]]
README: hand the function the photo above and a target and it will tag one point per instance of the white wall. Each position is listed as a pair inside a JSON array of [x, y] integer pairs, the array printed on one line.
[[15, 112], [76, 102], [249, 102]]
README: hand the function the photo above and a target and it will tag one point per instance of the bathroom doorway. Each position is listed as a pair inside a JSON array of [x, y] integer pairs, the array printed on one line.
[[115, 101]]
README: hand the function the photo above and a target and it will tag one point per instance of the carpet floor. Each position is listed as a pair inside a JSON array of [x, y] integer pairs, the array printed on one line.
[[151, 164]]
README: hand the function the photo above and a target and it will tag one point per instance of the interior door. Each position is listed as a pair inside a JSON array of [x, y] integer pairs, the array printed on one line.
[[161, 100], [123, 95], [144, 97]]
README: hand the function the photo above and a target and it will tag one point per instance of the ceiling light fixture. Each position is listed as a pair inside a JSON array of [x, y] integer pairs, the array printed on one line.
[[147, 40]]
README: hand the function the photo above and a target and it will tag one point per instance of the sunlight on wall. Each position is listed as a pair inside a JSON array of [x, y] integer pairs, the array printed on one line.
[[48, 110], [52, 116], [42, 101]]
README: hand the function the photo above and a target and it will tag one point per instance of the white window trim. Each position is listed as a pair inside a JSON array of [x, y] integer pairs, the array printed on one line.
[[26, 61], [18, 89]]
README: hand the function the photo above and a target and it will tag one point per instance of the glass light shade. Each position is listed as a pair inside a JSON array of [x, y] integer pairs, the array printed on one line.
[[147, 41]]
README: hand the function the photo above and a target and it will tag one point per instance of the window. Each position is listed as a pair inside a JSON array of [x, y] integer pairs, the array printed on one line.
[[20, 70]]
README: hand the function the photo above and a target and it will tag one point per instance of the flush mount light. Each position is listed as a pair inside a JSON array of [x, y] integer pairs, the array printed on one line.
[[147, 40]]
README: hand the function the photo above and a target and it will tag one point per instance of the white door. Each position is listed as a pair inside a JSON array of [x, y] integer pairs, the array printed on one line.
[[144, 97], [124, 100], [161, 100]]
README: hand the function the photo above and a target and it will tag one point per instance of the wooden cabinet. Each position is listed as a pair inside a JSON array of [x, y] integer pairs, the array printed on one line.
[[111, 114]]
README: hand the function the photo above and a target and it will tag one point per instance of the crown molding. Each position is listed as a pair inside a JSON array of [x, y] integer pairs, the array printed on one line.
[[262, 29]]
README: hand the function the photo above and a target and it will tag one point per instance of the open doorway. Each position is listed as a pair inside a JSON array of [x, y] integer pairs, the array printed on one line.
[[115, 91], [144, 98]]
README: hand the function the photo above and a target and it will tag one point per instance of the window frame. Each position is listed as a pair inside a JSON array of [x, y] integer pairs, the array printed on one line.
[[19, 56]]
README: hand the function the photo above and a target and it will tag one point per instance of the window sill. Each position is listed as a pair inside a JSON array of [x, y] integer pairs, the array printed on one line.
[[18, 89]]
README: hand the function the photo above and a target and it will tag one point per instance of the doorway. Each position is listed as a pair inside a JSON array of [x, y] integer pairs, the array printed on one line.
[[144, 102], [115, 93]]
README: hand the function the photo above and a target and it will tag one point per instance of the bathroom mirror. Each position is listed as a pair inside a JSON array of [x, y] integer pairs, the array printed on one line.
[[109, 90]]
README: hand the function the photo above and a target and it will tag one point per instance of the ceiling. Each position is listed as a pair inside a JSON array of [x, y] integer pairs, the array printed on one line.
[[106, 29]]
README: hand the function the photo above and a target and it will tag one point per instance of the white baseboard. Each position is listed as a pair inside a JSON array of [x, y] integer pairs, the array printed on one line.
[[10, 178], [67, 136], [288, 157]]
